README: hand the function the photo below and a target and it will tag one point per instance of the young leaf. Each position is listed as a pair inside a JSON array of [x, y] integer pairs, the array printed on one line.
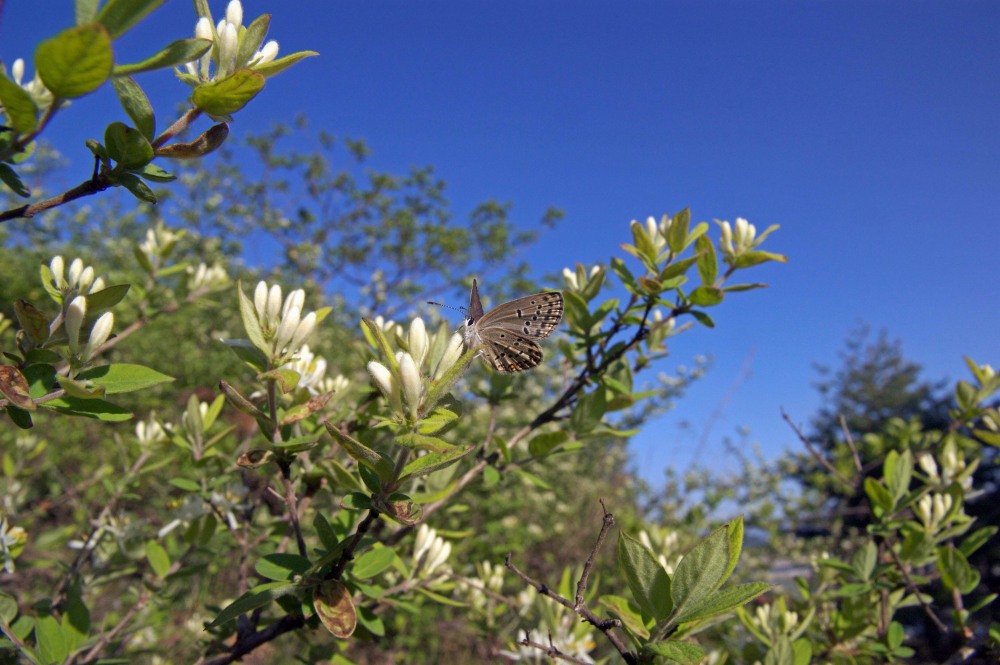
[[17, 105], [700, 572], [120, 15], [362, 453], [648, 582], [123, 377], [135, 186], [127, 146], [372, 562], [136, 105], [251, 324], [259, 596], [725, 600], [76, 61], [158, 558], [431, 462], [174, 55], [282, 566], [225, 96], [13, 181], [675, 651], [281, 64]]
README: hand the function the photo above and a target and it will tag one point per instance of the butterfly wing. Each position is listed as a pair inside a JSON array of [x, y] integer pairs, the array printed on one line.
[[508, 331], [517, 355]]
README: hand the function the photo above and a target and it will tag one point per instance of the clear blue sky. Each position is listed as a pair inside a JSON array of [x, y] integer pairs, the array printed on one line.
[[870, 131]]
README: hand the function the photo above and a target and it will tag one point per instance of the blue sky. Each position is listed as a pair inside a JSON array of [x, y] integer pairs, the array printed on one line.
[[870, 131]]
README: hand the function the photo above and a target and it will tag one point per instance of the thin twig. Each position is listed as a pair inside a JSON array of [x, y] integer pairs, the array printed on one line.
[[912, 586], [850, 443], [551, 650], [815, 453], [606, 524]]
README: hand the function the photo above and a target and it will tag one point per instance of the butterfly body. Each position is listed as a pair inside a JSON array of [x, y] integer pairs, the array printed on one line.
[[506, 334]]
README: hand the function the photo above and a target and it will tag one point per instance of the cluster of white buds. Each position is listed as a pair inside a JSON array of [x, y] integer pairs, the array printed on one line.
[[430, 553], [99, 333], [405, 390], [205, 278], [160, 242], [226, 37], [666, 543], [283, 325], [78, 279], [953, 467], [150, 431], [311, 369], [775, 620], [932, 509], [570, 637], [573, 277], [35, 88], [740, 240]]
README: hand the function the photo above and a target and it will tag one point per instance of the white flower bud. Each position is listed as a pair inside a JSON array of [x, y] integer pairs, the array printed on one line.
[[726, 241], [260, 299], [17, 70], [929, 466], [286, 329], [409, 376], [98, 285], [296, 299], [98, 335], [227, 49], [417, 340], [303, 330], [74, 319], [234, 13], [267, 54], [56, 266], [273, 306], [73, 274], [86, 279], [924, 510], [450, 356], [386, 383], [203, 28], [570, 277]]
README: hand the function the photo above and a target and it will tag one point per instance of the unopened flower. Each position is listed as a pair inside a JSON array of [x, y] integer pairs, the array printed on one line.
[[74, 319], [225, 54], [430, 552], [409, 376], [387, 384], [418, 341], [450, 356], [282, 325], [98, 335], [78, 279]]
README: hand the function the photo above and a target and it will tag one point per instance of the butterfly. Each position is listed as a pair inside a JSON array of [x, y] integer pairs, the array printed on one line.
[[507, 333]]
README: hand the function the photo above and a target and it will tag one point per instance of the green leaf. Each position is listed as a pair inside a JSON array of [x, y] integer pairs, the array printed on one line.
[[362, 453], [675, 651], [372, 562], [89, 408], [702, 318], [647, 580], [734, 531], [708, 262], [325, 531], [118, 16], [677, 236], [259, 596], [748, 259], [13, 181], [628, 612], [726, 600], [438, 421], [544, 443], [251, 324], [127, 146], [174, 55], [154, 173], [431, 462], [977, 539], [282, 566], [106, 298], [589, 411], [225, 96], [53, 643], [136, 105], [898, 470], [879, 496], [442, 386], [136, 186], [700, 572], [287, 379], [423, 442], [706, 296], [281, 64], [22, 114], [185, 484], [956, 573], [85, 11], [123, 377], [158, 558], [252, 37], [76, 61]]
